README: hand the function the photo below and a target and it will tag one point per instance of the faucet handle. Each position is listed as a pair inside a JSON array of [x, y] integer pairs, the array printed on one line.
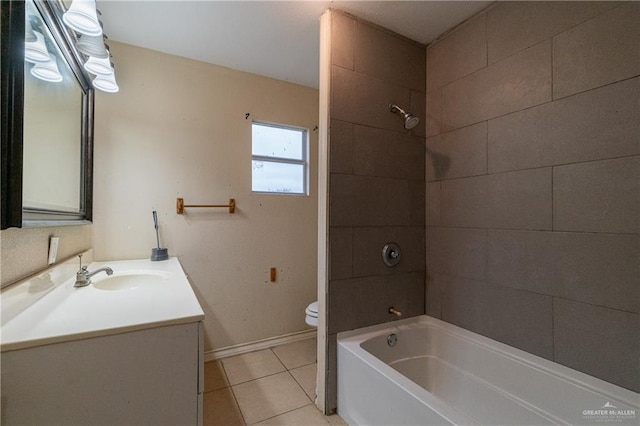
[[82, 268]]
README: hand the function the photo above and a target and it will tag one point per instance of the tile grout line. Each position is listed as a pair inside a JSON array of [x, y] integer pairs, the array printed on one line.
[[233, 393], [292, 376], [278, 358], [299, 386], [258, 378], [287, 412], [309, 399], [563, 97]]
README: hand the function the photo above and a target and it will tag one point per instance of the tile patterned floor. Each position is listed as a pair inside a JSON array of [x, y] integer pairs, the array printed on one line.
[[273, 386]]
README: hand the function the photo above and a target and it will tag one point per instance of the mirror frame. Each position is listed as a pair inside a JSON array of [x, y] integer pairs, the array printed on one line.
[[12, 213]]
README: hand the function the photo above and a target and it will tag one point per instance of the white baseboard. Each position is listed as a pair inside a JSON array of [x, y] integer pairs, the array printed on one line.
[[258, 345]]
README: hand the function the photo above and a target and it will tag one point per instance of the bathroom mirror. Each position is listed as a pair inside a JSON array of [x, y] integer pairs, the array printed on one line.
[[47, 119]]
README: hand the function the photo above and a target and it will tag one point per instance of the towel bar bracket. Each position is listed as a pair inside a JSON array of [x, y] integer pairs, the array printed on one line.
[[180, 205]]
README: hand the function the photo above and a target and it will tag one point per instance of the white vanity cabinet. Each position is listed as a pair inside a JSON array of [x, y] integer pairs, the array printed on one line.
[[146, 377], [104, 354]]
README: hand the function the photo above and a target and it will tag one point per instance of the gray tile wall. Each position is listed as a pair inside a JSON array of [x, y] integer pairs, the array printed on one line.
[[376, 183], [533, 182]]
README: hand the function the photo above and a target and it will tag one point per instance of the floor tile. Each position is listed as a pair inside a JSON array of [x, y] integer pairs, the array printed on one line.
[[220, 409], [269, 396], [250, 366], [297, 354], [306, 378], [307, 416], [214, 376], [335, 420]]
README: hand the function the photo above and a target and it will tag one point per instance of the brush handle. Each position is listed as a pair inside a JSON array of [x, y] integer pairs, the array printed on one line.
[[155, 225]]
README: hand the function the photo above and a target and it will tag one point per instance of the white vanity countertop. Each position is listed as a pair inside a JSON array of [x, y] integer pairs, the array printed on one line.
[[68, 313]]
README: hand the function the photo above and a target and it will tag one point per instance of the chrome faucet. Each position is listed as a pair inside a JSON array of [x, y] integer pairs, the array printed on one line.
[[83, 276]]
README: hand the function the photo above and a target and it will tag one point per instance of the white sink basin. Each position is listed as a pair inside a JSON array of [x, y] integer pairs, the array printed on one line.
[[130, 280], [145, 295]]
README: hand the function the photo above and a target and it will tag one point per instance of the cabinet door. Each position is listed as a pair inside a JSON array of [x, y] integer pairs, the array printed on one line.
[[142, 377]]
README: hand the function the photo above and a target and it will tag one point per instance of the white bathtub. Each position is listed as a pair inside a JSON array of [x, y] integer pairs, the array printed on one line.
[[438, 373]]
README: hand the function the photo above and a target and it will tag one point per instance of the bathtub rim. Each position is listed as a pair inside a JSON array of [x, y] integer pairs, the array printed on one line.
[[352, 340]]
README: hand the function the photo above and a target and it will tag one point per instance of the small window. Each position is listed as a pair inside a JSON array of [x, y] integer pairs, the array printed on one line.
[[279, 159]]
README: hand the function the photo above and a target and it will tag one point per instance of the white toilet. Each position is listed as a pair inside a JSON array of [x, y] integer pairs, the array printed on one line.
[[311, 315]]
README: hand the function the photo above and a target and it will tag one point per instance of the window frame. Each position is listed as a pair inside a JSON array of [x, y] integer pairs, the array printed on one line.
[[304, 162]]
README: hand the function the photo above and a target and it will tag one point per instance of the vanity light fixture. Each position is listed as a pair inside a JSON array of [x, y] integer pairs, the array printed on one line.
[[29, 36], [99, 66], [106, 83], [36, 51], [92, 46], [83, 17], [47, 71]]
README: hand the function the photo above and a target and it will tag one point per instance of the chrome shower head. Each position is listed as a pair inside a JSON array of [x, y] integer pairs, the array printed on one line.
[[410, 120]]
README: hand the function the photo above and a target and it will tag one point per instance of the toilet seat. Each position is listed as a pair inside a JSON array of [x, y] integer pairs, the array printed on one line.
[[311, 314], [312, 309]]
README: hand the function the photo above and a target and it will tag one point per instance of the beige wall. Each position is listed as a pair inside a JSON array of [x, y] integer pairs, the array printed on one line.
[[533, 182], [177, 128], [25, 251]]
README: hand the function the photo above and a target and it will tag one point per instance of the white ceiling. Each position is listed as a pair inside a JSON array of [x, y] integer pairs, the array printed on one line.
[[278, 39]]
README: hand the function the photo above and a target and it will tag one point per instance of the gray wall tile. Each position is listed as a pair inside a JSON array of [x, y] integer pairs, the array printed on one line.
[[331, 388], [601, 269], [600, 196], [513, 26], [460, 53], [436, 283], [433, 112], [537, 141], [514, 200], [341, 147], [384, 153], [459, 153], [459, 302], [342, 40], [598, 124], [361, 302], [418, 108], [599, 341], [368, 201], [457, 251], [368, 244], [517, 318], [340, 253], [365, 100], [520, 81], [465, 202], [376, 185], [386, 56], [433, 216], [416, 203], [597, 52]]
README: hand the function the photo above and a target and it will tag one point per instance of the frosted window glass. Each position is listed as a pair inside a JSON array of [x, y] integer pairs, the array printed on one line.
[[279, 159], [268, 176], [272, 141]]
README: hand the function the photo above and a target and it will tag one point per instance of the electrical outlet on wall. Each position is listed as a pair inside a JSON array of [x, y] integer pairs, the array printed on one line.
[[53, 249]]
